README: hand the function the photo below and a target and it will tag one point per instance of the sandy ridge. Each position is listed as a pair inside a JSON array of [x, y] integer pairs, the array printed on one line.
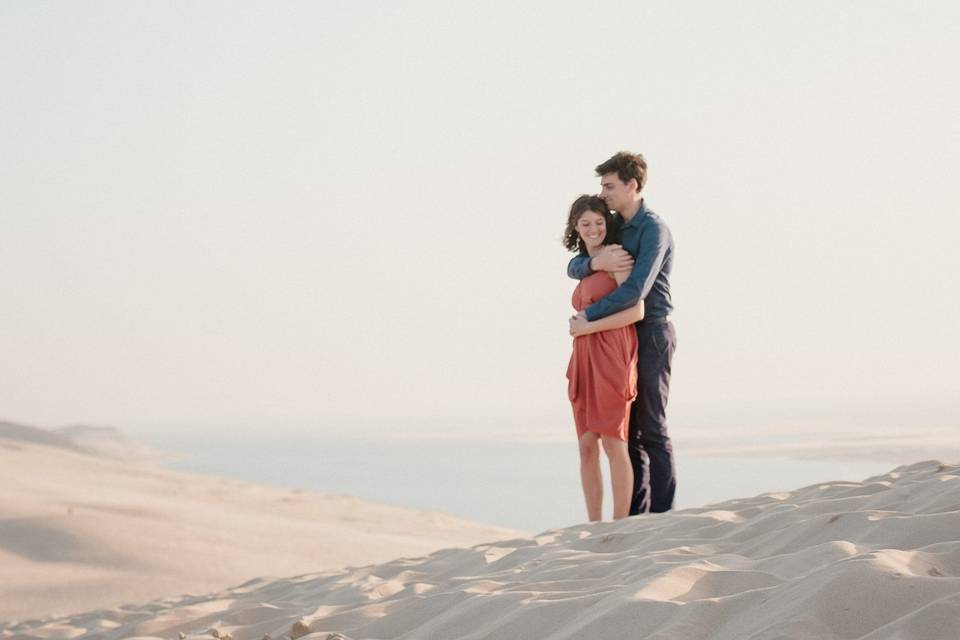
[[869, 560], [79, 531]]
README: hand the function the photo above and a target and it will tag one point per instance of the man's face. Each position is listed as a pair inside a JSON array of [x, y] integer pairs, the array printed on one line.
[[618, 195]]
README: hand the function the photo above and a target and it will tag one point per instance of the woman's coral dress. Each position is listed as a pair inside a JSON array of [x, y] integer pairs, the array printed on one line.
[[603, 368]]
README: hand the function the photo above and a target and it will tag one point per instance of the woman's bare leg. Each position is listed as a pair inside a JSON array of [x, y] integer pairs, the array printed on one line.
[[590, 476], [621, 475]]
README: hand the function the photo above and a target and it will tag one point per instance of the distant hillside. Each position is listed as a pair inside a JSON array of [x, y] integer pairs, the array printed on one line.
[[23, 433], [107, 442]]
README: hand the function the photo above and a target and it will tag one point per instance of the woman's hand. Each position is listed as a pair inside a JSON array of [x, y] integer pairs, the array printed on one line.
[[579, 325]]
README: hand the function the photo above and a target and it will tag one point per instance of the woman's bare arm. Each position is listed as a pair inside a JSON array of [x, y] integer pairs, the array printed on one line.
[[620, 276], [580, 326]]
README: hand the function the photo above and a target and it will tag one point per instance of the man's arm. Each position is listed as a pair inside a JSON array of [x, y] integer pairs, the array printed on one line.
[[611, 258], [579, 267], [653, 248]]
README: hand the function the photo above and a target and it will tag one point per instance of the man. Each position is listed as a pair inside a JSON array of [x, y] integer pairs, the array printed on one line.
[[646, 238]]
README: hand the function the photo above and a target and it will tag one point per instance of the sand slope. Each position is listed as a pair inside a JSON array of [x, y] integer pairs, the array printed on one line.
[[871, 560], [79, 531]]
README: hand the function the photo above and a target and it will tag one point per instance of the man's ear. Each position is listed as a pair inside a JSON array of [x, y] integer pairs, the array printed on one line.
[[636, 185]]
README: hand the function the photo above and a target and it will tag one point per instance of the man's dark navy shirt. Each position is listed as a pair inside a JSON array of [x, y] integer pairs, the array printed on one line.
[[646, 238]]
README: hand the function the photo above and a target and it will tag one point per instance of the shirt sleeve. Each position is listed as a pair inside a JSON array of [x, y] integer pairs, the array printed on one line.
[[579, 267], [654, 241]]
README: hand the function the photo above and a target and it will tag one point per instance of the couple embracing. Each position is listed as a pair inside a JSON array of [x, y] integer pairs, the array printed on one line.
[[619, 373]]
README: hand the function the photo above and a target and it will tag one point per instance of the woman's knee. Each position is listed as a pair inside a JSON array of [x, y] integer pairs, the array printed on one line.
[[589, 447], [615, 447]]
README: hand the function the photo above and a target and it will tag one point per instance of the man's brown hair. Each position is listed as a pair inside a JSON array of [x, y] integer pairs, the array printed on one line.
[[627, 166]]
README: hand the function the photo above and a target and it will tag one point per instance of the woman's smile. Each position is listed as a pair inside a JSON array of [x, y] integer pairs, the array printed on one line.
[[592, 229]]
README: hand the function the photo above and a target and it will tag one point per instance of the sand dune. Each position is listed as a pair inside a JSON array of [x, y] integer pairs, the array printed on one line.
[[79, 531], [873, 560]]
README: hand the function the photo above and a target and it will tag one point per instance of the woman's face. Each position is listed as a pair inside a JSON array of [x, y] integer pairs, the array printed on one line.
[[592, 229]]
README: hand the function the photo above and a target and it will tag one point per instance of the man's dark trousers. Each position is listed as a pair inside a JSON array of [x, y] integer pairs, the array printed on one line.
[[654, 473]]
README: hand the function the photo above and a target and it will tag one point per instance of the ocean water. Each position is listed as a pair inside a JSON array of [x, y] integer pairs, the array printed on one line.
[[527, 485]]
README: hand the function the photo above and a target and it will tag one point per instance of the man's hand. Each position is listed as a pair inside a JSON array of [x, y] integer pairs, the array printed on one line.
[[612, 257], [578, 324]]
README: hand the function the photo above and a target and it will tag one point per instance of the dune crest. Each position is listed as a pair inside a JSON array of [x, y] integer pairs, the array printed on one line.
[[869, 560], [79, 530]]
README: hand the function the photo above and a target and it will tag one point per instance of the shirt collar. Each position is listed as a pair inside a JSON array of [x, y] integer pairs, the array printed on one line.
[[638, 217]]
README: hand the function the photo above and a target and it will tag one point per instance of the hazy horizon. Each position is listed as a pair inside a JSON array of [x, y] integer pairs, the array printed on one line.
[[327, 216]]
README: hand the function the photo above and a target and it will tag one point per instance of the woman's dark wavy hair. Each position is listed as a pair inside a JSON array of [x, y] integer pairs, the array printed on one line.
[[571, 239]]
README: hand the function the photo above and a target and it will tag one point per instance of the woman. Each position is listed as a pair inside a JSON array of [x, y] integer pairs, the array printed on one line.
[[603, 367]]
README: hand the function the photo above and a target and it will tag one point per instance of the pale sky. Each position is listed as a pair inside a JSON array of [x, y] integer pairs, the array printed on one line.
[[347, 215]]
